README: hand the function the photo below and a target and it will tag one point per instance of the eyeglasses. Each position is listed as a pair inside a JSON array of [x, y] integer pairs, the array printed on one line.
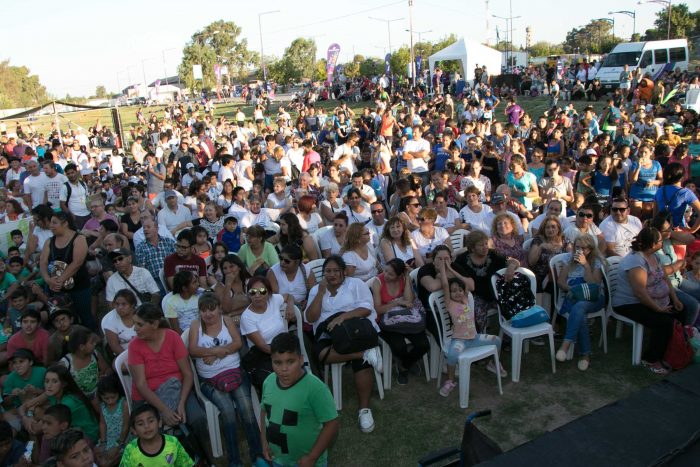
[[377, 211], [618, 209], [260, 291], [585, 214], [414, 204], [181, 247]]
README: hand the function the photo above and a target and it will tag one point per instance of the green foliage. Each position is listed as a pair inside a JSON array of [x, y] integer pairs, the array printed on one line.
[[100, 91], [399, 61], [351, 70], [683, 23], [595, 37], [371, 66], [219, 42], [298, 59], [320, 71], [543, 49], [18, 88], [501, 45]]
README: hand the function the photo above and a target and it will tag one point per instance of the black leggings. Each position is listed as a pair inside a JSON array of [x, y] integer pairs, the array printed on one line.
[[660, 326], [407, 353]]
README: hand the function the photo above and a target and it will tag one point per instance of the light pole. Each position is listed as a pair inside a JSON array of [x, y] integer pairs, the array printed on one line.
[[509, 33], [666, 3], [611, 21], [632, 14], [262, 52], [388, 26]]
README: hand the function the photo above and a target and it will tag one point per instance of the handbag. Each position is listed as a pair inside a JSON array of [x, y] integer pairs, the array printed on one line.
[[353, 335], [228, 380], [584, 292], [144, 297], [530, 317], [258, 364], [679, 352], [404, 320]]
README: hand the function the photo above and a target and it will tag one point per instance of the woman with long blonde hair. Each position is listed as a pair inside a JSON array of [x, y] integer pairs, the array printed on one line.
[[358, 253]]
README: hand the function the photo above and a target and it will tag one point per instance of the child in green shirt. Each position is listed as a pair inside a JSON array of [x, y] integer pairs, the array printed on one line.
[[150, 446], [298, 419], [26, 381]]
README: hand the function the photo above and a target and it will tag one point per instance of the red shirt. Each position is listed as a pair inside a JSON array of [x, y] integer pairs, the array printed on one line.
[[173, 264], [158, 366], [40, 346]]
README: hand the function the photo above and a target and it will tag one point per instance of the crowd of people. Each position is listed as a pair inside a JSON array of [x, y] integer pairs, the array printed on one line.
[[197, 243]]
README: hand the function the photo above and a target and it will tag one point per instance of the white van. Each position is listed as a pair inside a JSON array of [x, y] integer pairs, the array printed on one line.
[[654, 57]]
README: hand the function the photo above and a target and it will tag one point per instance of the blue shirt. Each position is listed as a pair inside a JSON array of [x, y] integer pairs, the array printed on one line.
[[674, 200], [639, 189]]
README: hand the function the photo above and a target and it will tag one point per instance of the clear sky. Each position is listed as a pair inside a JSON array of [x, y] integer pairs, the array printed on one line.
[[76, 45]]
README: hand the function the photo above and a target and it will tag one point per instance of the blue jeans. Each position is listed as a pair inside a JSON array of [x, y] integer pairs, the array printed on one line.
[[690, 306], [691, 288], [457, 346], [577, 323], [229, 403]]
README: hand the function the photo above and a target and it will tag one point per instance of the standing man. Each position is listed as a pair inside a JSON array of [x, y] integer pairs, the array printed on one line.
[[34, 185], [74, 195], [151, 253], [53, 184], [417, 154], [155, 170]]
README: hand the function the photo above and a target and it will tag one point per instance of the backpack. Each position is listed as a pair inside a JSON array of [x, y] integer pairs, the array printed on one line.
[[679, 352], [69, 189], [514, 296]]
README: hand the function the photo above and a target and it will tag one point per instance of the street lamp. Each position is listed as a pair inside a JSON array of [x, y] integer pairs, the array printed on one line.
[[262, 52], [631, 14], [509, 33], [388, 26], [665, 3], [611, 21]]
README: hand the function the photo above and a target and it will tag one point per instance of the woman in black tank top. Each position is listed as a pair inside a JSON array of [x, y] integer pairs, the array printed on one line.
[[70, 247]]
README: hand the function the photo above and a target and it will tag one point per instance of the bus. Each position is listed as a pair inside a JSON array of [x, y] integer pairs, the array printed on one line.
[[654, 57]]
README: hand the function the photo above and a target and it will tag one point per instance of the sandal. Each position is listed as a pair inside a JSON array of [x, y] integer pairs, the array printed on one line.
[[656, 368]]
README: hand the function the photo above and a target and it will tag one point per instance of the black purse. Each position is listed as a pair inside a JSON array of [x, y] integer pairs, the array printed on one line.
[[144, 297], [354, 335]]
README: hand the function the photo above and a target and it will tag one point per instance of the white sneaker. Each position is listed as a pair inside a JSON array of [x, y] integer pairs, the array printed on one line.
[[374, 358], [492, 368], [366, 421]]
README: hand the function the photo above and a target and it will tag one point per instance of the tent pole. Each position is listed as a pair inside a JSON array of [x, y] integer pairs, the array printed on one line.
[[55, 119]]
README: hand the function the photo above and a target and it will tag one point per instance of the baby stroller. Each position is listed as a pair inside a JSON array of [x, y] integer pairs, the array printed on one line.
[[476, 447]]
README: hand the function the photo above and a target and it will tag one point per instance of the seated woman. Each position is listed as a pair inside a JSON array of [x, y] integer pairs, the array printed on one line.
[[161, 373], [673, 266], [409, 207], [548, 243], [309, 219], [585, 266], [396, 242], [332, 204], [291, 233], [393, 290], [118, 324], [333, 240], [429, 281], [427, 237], [258, 254], [479, 263], [232, 289], [356, 210], [505, 237], [358, 253], [553, 208], [260, 323], [644, 295], [336, 299], [584, 224], [291, 277], [214, 342]]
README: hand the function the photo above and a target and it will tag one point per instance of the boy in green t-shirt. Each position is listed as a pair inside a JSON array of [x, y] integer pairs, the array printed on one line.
[[150, 446], [25, 382], [298, 419]]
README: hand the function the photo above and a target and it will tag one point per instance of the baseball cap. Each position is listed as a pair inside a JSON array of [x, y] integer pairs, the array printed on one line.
[[119, 252], [170, 194], [591, 152], [497, 198], [23, 353], [189, 166]]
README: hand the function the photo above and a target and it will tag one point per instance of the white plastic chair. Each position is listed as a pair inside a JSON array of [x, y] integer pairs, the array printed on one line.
[[556, 264], [121, 364], [161, 276], [637, 329], [317, 237], [520, 335], [211, 410], [316, 267], [468, 356], [336, 372], [457, 238]]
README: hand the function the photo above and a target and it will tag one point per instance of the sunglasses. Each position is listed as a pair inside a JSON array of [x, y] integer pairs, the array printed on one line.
[[287, 260], [618, 209], [377, 211], [260, 291], [585, 214]]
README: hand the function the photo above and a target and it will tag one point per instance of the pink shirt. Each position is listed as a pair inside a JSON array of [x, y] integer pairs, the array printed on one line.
[[463, 326], [158, 366], [40, 346]]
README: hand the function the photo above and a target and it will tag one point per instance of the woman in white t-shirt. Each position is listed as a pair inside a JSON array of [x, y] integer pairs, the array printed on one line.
[[309, 219], [396, 242], [332, 240], [116, 160], [290, 276], [357, 211], [261, 322], [359, 254], [243, 171], [118, 324], [181, 307], [428, 236]]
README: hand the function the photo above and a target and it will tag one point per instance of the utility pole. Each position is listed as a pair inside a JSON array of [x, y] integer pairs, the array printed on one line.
[[262, 51], [413, 56]]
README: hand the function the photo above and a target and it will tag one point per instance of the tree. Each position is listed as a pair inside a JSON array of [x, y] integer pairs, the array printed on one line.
[[100, 91], [683, 23], [595, 37], [18, 88], [298, 59], [542, 49], [320, 73], [399, 61], [219, 42], [372, 66]]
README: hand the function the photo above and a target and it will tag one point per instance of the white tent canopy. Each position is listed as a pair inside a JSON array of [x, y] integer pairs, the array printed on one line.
[[470, 53]]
